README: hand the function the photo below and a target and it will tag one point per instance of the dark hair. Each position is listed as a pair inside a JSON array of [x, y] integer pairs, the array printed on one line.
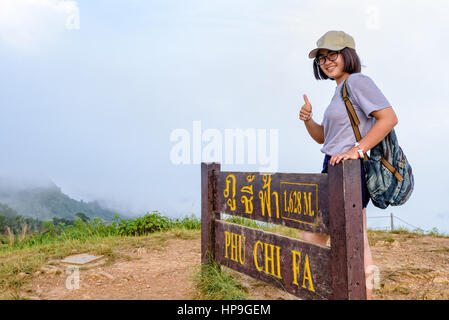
[[351, 64]]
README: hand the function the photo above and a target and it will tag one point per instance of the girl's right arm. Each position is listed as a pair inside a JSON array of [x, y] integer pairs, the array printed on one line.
[[315, 130]]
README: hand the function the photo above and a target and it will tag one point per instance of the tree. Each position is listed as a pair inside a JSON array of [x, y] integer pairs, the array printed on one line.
[[3, 223], [82, 216]]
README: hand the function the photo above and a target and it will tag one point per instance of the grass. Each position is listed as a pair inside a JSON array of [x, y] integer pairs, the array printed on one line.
[[434, 232], [15, 263], [440, 250], [82, 231], [281, 230], [29, 260], [402, 290], [403, 233], [22, 255], [212, 282]]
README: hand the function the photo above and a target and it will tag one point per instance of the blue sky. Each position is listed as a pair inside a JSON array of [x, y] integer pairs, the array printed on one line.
[[90, 91]]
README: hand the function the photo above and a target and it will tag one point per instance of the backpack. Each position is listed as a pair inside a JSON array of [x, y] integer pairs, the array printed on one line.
[[388, 174]]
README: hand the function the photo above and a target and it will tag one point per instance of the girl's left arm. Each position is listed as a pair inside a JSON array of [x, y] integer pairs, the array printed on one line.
[[386, 119]]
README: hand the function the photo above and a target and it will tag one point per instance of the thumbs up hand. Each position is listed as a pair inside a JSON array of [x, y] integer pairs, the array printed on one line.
[[305, 113]]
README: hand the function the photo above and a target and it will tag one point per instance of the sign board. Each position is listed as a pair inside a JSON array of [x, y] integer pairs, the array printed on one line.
[[328, 204]]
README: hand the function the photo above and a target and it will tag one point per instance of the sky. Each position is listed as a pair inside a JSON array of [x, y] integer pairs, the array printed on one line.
[[105, 97]]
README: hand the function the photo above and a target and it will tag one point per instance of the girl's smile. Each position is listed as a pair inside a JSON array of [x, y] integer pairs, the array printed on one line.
[[333, 69]]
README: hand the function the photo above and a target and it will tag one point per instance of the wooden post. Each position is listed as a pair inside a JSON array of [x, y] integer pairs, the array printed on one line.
[[346, 231], [391, 221], [209, 173]]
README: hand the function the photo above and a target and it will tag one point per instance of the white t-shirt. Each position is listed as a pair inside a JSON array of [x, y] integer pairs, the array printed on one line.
[[365, 97]]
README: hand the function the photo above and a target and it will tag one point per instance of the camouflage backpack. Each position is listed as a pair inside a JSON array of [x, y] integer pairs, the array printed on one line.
[[388, 174]]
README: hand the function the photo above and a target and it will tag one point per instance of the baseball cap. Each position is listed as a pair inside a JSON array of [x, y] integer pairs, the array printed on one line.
[[333, 40]]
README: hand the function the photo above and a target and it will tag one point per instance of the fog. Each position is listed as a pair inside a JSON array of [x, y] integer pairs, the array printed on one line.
[[92, 93]]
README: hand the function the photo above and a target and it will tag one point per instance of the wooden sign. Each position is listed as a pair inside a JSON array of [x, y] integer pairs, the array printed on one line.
[[328, 204], [293, 200], [298, 267]]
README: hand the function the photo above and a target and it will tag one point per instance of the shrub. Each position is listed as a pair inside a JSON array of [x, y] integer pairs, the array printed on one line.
[[189, 223], [57, 230], [149, 223]]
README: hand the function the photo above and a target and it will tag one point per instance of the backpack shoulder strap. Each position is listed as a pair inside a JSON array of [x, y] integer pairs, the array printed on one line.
[[352, 115], [349, 107]]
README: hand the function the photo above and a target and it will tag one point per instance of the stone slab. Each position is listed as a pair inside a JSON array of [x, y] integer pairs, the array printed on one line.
[[81, 259]]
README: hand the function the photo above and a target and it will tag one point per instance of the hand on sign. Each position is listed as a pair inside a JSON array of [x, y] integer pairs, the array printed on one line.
[[349, 155], [305, 114]]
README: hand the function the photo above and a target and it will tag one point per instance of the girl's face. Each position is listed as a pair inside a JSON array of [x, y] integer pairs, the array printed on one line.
[[332, 69]]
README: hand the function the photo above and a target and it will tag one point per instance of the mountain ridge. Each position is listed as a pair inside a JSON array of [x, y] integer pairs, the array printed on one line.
[[48, 201]]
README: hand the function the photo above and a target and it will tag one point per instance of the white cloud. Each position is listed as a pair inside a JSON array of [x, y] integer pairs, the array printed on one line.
[[25, 23]]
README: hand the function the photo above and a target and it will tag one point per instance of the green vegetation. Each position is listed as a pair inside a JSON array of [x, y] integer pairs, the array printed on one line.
[[433, 232], [214, 283], [282, 230], [27, 244], [412, 233], [15, 222], [60, 230], [24, 253], [153, 222], [436, 233]]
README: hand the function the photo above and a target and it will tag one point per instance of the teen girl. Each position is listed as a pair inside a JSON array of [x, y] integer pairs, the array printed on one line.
[[335, 58]]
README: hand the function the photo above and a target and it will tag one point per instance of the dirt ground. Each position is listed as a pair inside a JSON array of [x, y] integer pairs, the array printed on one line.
[[139, 274], [409, 267], [412, 267]]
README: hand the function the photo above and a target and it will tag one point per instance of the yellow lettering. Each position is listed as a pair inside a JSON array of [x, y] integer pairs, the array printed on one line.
[[306, 209], [296, 262], [230, 179], [290, 203], [248, 202], [278, 260], [234, 240], [307, 275], [270, 257], [295, 203], [242, 261], [285, 202], [311, 212], [277, 203], [265, 196], [227, 242], [234, 247], [255, 255], [267, 258]]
